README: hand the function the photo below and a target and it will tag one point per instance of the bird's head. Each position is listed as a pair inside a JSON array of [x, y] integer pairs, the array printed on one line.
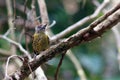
[[40, 28]]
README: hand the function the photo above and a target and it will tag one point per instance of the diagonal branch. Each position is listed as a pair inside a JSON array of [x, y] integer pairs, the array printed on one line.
[[16, 44], [83, 35], [81, 22]]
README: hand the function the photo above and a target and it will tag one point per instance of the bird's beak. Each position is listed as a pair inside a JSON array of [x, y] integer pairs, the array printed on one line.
[[44, 26]]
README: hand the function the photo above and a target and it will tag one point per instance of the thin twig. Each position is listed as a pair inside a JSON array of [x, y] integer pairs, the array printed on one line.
[[7, 32], [31, 72], [7, 63], [3, 51], [59, 65], [52, 24], [17, 44]]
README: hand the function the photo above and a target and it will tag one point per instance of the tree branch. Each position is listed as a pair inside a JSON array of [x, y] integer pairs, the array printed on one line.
[[15, 43], [84, 35], [10, 23], [80, 23], [43, 11]]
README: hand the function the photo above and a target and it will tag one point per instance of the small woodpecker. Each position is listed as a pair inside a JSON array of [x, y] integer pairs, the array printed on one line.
[[40, 39]]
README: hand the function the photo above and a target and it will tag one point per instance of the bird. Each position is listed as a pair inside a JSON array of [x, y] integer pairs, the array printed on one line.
[[40, 39]]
